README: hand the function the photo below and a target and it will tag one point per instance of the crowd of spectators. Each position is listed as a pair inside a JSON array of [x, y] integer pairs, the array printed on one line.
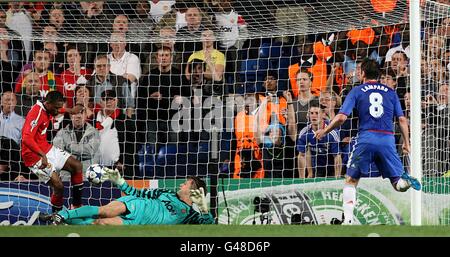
[[132, 91]]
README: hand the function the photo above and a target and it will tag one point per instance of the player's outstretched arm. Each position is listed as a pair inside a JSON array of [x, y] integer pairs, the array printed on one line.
[[114, 176], [335, 123]]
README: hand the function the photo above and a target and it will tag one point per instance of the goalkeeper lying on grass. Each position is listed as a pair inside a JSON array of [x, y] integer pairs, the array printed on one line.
[[141, 207]]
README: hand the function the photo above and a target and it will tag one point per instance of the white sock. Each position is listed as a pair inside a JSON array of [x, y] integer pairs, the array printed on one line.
[[402, 185], [349, 201]]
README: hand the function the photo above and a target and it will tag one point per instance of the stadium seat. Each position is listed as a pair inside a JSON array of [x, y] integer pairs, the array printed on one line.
[[168, 158], [252, 71], [283, 72], [270, 50], [146, 160], [289, 51], [179, 160], [246, 87], [396, 39], [197, 160], [250, 67], [264, 50]]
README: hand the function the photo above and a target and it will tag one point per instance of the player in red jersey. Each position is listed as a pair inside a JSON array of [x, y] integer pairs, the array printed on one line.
[[45, 160]]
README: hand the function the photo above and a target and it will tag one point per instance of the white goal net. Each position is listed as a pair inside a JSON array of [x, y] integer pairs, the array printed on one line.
[[227, 90]]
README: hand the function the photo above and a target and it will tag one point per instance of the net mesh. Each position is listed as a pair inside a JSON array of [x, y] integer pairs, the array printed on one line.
[[191, 81]]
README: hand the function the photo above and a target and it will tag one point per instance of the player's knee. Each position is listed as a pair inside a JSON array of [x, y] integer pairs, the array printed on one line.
[[103, 212], [77, 166], [351, 181]]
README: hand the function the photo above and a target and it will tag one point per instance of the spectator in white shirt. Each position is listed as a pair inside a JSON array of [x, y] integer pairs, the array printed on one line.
[[10, 123], [159, 8], [231, 25], [10, 136], [124, 63], [175, 18], [232, 35], [117, 135], [134, 27], [402, 47]]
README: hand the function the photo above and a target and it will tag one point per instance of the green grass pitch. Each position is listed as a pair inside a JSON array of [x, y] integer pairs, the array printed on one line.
[[225, 231]]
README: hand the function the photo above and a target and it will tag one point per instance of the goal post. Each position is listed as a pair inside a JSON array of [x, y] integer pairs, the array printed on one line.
[[416, 120]]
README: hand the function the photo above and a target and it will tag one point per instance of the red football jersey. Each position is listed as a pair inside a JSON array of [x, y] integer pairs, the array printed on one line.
[[69, 83], [34, 134], [45, 85]]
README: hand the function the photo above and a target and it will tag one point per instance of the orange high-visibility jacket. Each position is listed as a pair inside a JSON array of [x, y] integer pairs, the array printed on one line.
[[318, 70]]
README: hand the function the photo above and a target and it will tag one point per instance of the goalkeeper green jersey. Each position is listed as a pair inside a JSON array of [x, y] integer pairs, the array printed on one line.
[[158, 206]]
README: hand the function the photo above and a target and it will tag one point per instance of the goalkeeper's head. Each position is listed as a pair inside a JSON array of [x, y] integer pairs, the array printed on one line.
[[197, 183]]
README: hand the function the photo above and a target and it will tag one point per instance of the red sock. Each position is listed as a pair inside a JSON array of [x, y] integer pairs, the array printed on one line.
[[77, 188], [77, 178], [57, 202]]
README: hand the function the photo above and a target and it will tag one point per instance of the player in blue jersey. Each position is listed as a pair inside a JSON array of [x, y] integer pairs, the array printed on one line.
[[142, 207], [377, 105], [325, 156]]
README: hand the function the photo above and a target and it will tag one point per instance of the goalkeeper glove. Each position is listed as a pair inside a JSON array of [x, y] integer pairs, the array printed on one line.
[[198, 197], [113, 175]]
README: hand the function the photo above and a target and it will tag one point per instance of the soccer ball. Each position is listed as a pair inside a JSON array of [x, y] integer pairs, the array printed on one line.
[[94, 174]]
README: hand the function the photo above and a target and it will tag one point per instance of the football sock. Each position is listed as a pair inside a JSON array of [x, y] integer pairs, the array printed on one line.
[[77, 188], [82, 212], [80, 221], [57, 202], [349, 201]]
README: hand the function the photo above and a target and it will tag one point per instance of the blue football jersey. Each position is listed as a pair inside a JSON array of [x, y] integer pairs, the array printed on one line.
[[321, 150], [377, 104]]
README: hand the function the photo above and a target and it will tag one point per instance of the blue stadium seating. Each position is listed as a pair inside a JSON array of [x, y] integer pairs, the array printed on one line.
[[272, 55], [250, 67], [146, 155], [270, 50], [251, 71], [179, 160]]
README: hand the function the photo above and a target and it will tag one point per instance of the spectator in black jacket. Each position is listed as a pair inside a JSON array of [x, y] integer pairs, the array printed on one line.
[[156, 93]]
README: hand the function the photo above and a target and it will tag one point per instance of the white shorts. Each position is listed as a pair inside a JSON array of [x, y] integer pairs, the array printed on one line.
[[57, 158]]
